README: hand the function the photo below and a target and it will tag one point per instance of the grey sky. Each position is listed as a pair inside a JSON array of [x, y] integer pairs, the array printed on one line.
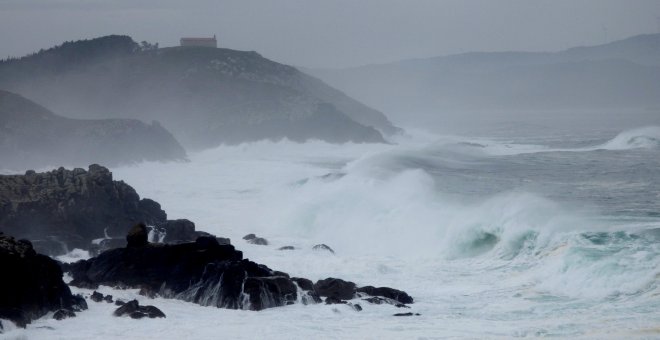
[[332, 33]]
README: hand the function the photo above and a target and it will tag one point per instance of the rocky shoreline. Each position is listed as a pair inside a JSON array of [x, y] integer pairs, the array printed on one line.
[[188, 265]]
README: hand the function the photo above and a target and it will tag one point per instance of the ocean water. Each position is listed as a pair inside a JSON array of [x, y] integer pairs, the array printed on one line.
[[518, 231]]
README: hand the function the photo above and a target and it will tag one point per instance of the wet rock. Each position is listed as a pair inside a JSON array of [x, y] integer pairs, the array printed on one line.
[[138, 236], [356, 307], [120, 303], [336, 288], [390, 293], [258, 241], [63, 314], [331, 300], [407, 314], [96, 296], [376, 300], [223, 240], [181, 230], [107, 298], [249, 237], [135, 311], [304, 284], [286, 248], [32, 285], [323, 247]]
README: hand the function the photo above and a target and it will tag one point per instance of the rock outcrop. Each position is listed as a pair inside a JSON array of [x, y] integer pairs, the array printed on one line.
[[65, 209], [32, 285], [135, 311], [204, 272]]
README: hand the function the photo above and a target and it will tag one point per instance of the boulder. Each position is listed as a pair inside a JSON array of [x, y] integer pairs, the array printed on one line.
[[336, 288], [138, 236], [390, 293], [32, 285], [249, 237], [181, 230], [63, 314], [135, 311], [258, 241], [96, 296]]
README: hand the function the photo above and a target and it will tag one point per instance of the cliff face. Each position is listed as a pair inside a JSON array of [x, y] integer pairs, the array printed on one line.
[[31, 136], [69, 208], [205, 96]]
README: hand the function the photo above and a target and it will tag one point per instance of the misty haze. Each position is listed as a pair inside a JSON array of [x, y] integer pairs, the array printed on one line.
[[372, 169]]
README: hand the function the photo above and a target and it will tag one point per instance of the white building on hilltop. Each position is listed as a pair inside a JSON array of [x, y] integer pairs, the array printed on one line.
[[200, 42]]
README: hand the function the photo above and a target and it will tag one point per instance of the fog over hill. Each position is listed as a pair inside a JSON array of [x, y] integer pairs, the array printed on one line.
[[205, 96], [623, 74], [33, 137]]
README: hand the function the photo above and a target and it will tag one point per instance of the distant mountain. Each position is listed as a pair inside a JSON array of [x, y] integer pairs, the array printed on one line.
[[205, 96], [621, 74], [33, 137]]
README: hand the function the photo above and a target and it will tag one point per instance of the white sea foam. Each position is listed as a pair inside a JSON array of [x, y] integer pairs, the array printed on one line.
[[498, 266]]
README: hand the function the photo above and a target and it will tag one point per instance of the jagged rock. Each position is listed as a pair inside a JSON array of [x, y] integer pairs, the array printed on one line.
[[387, 292], [138, 236], [135, 311], [63, 314], [181, 230], [377, 300], [249, 237], [304, 284], [336, 288], [323, 247], [65, 209], [286, 248], [32, 285], [96, 296]]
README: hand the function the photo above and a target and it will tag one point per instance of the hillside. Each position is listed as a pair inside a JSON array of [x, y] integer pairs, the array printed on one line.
[[33, 137], [623, 74], [205, 96]]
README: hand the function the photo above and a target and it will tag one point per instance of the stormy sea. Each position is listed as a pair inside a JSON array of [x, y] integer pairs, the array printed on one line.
[[509, 230]]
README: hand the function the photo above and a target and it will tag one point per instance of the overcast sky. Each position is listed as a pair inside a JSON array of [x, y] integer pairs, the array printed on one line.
[[325, 33]]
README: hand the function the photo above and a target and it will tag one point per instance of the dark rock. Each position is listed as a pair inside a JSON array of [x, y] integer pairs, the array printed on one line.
[[223, 240], [135, 311], [286, 248], [337, 288], [107, 298], [96, 296], [279, 273], [138, 236], [206, 242], [258, 241], [387, 292], [249, 237], [63, 314], [78, 303], [407, 314], [179, 230], [331, 300], [356, 307], [120, 303], [304, 284], [65, 209], [323, 247], [107, 244], [33, 285], [381, 300]]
